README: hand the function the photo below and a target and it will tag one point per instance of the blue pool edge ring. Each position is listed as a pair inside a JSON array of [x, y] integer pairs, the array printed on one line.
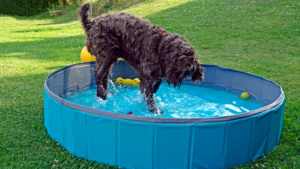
[[63, 118]]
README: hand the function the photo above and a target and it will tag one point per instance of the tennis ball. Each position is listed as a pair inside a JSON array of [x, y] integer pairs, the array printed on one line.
[[86, 56], [245, 95]]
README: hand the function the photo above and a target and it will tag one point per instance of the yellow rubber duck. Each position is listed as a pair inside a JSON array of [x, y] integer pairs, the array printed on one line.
[[136, 82], [127, 82], [119, 80]]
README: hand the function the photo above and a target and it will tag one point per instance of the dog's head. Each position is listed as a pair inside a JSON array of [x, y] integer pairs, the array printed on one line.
[[182, 67]]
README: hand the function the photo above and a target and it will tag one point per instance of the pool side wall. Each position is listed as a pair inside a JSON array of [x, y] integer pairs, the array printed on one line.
[[153, 145]]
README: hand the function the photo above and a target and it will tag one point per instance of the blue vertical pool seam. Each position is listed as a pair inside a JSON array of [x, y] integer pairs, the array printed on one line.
[[238, 138], [74, 131], [268, 137], [209, 145], [231, 84], [214, 82], [267, 132], [278, 133], [247, 90], [63, 86], [192, 146], [274, 130], [77, 78], [62, 125], [153, 145], [46, 111], [251, 140], [275, 126], [261, 90], [56, 116], [225, 144], [68, 126], [91, 70], [117, 142], [281, 121], [86, 138], [81, 134], [269, 144]]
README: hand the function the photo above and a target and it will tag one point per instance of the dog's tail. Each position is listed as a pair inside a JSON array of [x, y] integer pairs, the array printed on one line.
[[83, 11]]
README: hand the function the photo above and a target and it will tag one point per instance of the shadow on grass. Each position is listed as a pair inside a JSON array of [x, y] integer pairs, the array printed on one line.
[[38, 30], [48, 49], [44, 29]]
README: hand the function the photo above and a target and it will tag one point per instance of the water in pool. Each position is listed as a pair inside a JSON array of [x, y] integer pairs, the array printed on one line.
[[188, 102]]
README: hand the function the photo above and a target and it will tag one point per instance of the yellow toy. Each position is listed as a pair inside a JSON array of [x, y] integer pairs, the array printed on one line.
[[245, 95], [136, 82], [86, 56], [127, 82], [118, 80]]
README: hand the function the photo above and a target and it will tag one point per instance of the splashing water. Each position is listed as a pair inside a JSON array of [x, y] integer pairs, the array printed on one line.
[[188, 102]]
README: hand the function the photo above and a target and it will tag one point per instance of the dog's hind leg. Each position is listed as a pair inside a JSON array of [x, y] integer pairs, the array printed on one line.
[[105, 78], [101, 73], [157, 84]]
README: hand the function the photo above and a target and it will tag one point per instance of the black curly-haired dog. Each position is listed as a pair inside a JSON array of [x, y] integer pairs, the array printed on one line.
[[152, 52]]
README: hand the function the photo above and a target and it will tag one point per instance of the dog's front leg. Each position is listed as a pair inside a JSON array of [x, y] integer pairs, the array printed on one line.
[[147, 83]]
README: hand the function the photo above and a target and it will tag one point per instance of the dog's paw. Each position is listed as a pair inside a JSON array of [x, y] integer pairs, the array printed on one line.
[[102, 95], [155, 109], [159, 112], [101, 92]]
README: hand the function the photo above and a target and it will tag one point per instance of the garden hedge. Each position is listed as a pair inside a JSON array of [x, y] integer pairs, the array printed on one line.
[[24, 7]]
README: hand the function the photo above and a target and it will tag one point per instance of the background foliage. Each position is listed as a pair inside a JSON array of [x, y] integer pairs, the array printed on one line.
[[31, 7], [24, 7]]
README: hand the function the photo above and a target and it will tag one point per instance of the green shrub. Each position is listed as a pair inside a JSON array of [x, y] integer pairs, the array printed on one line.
[[24, 7]]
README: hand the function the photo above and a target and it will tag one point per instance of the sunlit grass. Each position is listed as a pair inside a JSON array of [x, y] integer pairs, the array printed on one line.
[[148, 8], [255, 36]]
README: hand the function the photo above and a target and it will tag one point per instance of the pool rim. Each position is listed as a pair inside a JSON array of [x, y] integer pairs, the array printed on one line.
[[120, 116]]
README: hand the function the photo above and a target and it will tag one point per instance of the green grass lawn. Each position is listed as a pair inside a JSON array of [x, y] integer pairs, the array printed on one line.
[[261, 37]]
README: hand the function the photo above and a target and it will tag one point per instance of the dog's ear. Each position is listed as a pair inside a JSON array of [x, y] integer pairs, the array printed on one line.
[[172, 74], [198, 75], [176, 69]]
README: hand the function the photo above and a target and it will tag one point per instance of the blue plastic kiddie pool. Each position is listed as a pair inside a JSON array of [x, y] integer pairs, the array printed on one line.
[[150, 142]]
